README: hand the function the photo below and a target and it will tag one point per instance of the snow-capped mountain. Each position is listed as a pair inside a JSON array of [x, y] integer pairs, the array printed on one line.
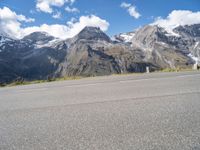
[[150, 37], [92, 52], [40, 39]]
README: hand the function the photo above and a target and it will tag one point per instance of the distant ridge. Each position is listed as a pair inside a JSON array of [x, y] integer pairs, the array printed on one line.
[[91, 52]]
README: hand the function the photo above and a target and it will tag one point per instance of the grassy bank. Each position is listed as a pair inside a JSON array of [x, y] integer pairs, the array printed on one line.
[[24, 82], [175, 70]]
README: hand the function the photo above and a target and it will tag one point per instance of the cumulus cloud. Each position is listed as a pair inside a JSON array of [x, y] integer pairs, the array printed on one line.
[[71, 28], [177, 18], [71, 10], [131, 10], [10, 23], [46, 5]]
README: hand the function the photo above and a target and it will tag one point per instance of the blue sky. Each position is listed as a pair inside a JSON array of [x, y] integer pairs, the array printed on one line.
[[118, 18]]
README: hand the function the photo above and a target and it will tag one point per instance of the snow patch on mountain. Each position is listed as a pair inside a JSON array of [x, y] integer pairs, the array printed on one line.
[[48, 44], [170, 32], [124, 37], [3, 40], [177, 18], [127, 36]]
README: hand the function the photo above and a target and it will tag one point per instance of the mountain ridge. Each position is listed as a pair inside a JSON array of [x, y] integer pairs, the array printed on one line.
[[91, 52]]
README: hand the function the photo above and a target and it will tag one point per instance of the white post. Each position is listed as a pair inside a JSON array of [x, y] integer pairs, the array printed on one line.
[[195, 67], [147, 70]]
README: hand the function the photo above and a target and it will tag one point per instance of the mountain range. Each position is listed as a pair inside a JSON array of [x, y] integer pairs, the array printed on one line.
[[39, 56]]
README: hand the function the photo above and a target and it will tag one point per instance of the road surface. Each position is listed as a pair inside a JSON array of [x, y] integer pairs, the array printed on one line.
[[158, 111]]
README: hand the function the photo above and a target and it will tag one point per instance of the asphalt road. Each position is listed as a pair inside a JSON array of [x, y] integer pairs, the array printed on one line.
[[159, 111]]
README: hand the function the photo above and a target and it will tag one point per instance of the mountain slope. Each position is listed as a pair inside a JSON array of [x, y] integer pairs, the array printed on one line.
[[92, 52], [154, 39]]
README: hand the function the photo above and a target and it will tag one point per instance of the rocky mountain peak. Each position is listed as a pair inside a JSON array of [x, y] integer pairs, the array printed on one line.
[[38, 36], [91, 28], [91, 52], [147, 36], [92, 33]]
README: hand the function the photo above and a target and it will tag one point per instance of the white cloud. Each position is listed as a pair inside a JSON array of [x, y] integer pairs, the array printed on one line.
[[23, 18], [71, 10], [8, 15], [10, 23], [131, 10], [125, 5], [46, 5], [177, 18], [57, 15], [71, 29]]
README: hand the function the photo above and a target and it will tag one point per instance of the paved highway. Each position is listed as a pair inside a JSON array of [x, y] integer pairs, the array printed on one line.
[[150, 112]]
